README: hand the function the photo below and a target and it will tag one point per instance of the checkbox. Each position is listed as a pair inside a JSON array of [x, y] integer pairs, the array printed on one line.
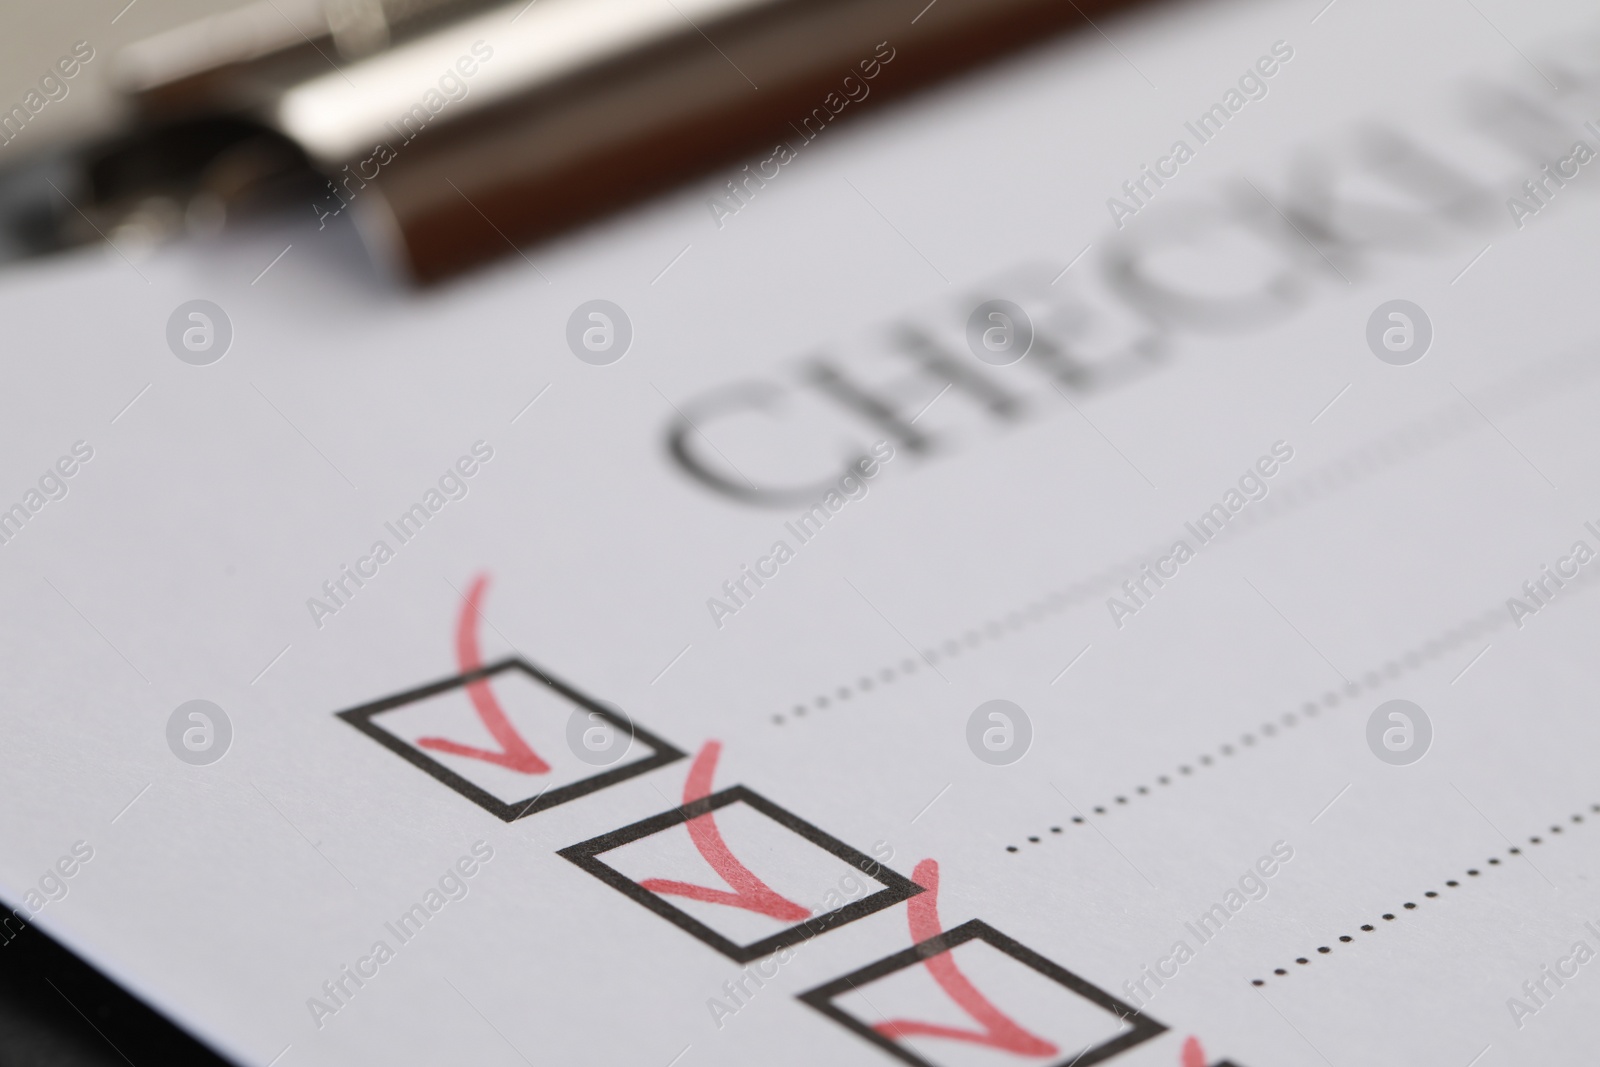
[[973, 997], [506, 736], [740, 873]]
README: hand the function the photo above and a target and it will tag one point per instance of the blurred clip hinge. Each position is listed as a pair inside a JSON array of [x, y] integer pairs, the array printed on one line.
[[452, 128]]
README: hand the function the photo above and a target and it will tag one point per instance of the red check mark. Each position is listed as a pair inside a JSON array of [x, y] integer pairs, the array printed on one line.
[[514, 753], [748, 891], [1193, 1055], [998, 1031]]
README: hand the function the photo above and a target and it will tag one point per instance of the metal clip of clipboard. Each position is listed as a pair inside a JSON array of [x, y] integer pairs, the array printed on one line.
[[454, 129]]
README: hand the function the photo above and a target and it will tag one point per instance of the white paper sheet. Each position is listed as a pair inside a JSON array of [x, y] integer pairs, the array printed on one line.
[[1198, 769]]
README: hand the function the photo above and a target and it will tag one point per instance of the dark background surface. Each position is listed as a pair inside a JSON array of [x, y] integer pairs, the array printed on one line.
[[57, 1011]]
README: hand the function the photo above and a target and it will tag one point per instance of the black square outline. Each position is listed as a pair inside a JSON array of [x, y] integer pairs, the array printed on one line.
[[821, 998], [361, 718], [897, 887]]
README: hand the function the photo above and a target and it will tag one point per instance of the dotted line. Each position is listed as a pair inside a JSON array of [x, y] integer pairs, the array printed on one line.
[[1373, 458], [1411, 905], [1373, 679], [991, 631]]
